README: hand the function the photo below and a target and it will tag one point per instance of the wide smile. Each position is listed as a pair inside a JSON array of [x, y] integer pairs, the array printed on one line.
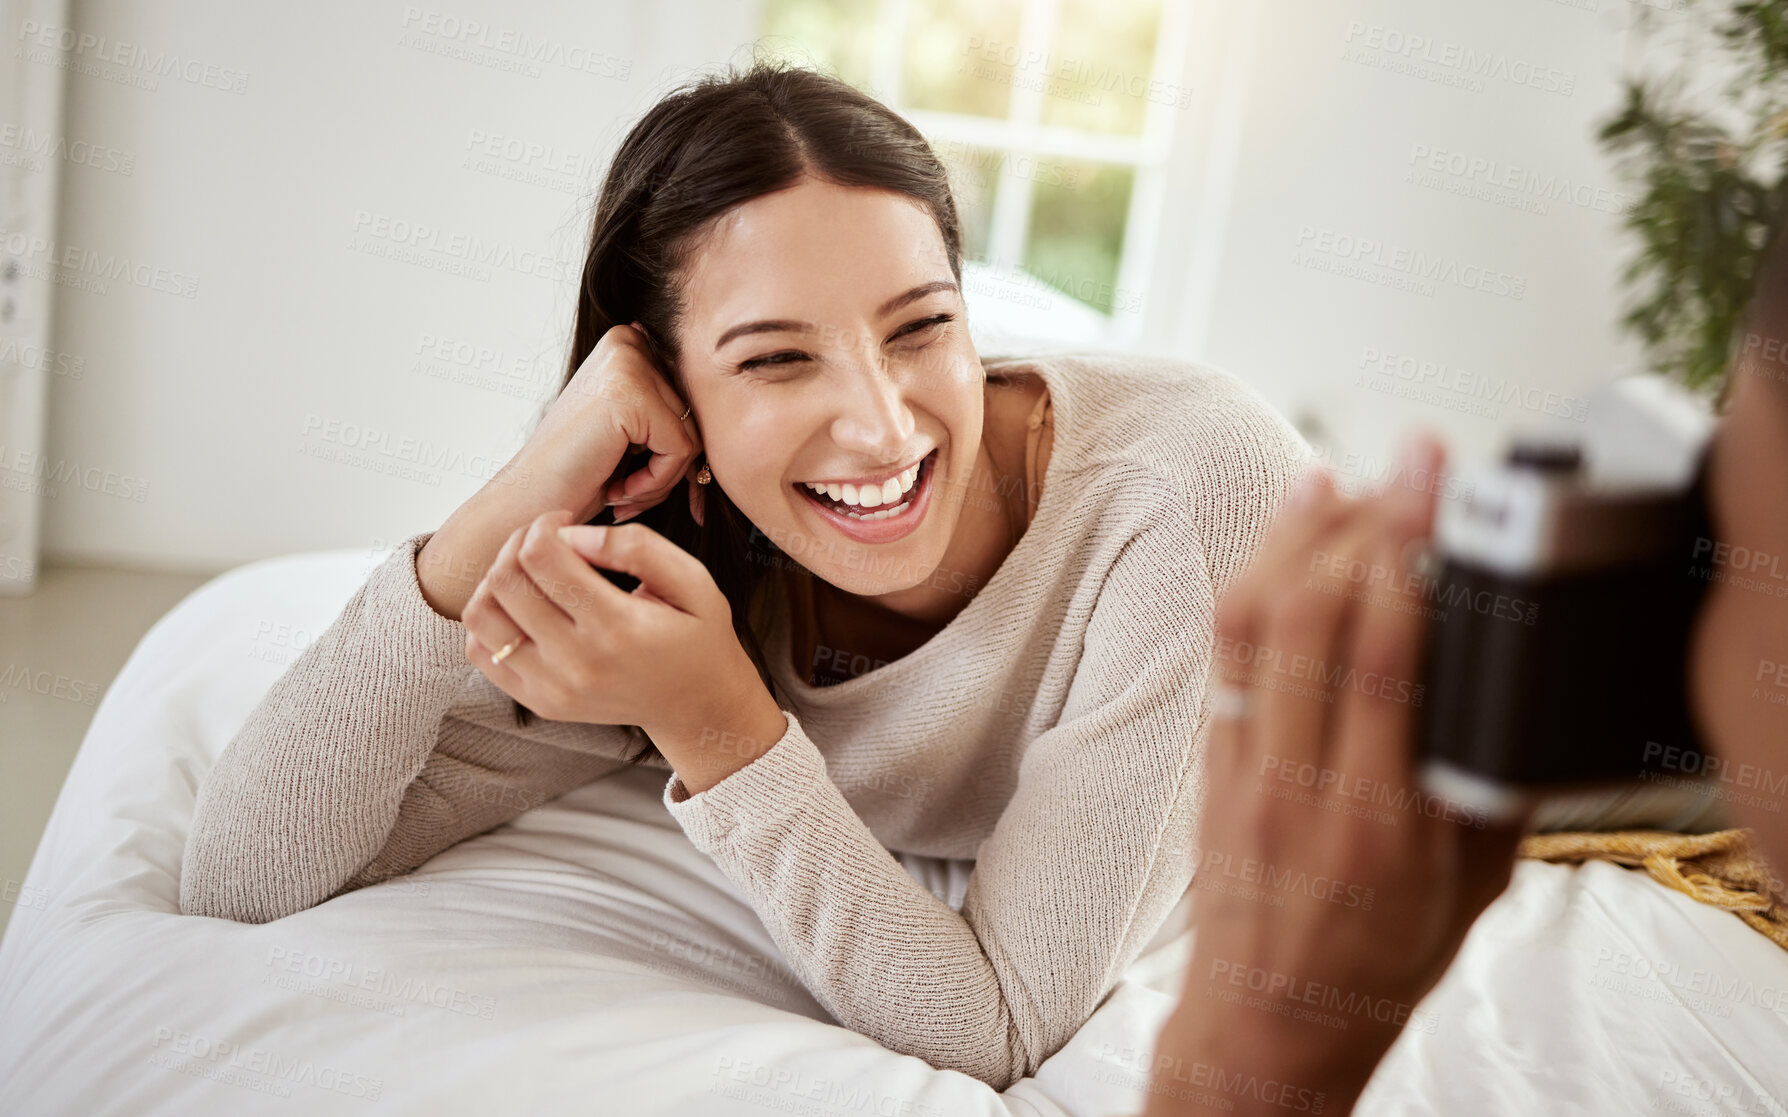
[[885, 520]]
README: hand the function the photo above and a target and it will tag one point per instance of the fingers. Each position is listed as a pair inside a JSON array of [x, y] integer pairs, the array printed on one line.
[[674, 443], [530, 601], [559, 572], [654, 481], [1292, 632], [1241, 618], [1375, 715], [488, 625], [1311, 510], [666, 571]]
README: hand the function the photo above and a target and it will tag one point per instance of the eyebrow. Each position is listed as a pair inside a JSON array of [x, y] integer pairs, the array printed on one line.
[[777, 324]]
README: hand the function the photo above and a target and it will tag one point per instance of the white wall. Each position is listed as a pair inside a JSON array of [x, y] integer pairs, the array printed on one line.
[[216, 405], [351, 114], [1330, 135]]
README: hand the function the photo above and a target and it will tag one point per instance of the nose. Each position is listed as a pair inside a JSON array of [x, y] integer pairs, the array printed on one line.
[[874, 421]]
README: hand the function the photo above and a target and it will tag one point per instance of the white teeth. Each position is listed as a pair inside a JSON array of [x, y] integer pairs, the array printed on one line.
[[870, 496], [882, 515]]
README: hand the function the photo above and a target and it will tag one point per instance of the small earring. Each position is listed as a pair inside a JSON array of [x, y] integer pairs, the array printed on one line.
[[703, 476]]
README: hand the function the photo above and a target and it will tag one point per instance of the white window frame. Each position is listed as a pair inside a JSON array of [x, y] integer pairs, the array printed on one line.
[[1020, 137]]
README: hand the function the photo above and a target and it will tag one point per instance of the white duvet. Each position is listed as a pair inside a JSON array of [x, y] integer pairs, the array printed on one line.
[[585, 958]]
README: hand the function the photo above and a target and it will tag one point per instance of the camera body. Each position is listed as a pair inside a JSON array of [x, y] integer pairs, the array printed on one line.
[[1563, 595]]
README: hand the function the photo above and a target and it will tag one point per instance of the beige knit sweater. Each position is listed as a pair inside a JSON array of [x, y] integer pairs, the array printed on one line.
[[1052, 732]]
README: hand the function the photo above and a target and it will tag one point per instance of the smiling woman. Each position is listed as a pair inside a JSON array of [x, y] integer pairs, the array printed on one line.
[[887, 598]]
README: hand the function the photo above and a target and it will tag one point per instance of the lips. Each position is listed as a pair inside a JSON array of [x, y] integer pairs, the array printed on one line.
[[868, 497], [904, 506], [885, 494]]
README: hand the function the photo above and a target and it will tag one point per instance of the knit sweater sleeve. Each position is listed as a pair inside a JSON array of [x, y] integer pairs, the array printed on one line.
[[1083, 866], [379, 747]]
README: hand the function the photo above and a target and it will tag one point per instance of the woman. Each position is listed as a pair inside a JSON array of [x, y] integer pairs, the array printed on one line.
[[888, 598]]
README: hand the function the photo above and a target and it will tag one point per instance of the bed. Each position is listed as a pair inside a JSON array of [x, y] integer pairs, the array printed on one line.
[[585, 958]]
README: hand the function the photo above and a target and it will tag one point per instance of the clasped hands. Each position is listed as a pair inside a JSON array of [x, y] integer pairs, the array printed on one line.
[[663, 657]]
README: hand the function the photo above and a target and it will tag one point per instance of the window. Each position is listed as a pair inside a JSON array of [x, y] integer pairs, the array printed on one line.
[[1054, 117]]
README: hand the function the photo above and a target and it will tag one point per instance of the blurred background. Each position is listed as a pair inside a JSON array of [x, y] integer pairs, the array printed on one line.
[[295, 277]]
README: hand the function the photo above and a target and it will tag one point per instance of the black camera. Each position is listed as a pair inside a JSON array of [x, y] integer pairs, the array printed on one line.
[[1561, 591]]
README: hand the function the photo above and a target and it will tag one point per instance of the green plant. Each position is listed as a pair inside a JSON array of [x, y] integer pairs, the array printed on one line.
[[1711, 188]]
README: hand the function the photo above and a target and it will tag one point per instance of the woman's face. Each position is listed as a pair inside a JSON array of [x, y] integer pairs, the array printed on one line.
[[825, 341]]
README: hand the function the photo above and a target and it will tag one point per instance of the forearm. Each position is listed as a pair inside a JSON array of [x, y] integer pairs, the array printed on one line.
[[1216, 1058], [458, 555], [310, 786], [884, 955]]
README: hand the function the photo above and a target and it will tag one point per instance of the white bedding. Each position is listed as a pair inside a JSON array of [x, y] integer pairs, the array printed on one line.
[[586, 959]]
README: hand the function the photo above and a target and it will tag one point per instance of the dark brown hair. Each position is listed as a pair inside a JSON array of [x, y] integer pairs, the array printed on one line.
[[710, 145]]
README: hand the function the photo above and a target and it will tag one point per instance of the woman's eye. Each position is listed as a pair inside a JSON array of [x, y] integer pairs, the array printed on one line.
[[772, 359], [790, 356], [926, 323]]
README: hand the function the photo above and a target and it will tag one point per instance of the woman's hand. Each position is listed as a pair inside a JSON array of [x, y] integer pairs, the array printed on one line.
[[1333, 891], [618, 401], [663, 657]]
